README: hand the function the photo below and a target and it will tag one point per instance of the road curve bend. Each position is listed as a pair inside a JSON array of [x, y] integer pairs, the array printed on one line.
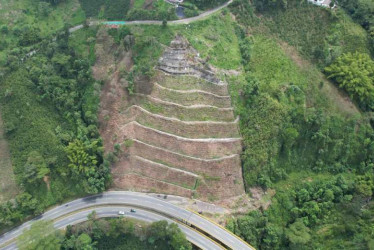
[[193, 236], [154, 22], [156, 207]]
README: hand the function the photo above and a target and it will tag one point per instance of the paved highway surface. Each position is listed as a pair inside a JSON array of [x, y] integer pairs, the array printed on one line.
[[142, 215], [139, 201]]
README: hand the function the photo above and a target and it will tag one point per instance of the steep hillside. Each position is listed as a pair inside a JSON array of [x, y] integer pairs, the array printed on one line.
[[8, 188], [179, 138]]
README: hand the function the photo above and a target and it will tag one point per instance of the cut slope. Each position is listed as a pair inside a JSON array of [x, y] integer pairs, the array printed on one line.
[[184, 135]]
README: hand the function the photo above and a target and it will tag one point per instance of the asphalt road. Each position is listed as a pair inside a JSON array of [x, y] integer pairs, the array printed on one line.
[[158, 207], [153, 22], [193, 236]]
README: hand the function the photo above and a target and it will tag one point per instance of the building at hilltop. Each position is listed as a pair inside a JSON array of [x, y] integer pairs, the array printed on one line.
[[174, 1], [323, 3]]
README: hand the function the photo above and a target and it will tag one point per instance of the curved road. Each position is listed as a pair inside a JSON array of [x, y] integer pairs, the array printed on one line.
[[101, 212], [158, 207], [153, 22]]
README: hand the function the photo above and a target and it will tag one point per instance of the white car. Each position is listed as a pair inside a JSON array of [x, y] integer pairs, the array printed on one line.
[[121, 212]]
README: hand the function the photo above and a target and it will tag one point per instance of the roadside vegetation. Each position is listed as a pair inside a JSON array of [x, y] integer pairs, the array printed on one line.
[[115, 233], [143, 10], [314, 153], [128, 10], [49, 106]]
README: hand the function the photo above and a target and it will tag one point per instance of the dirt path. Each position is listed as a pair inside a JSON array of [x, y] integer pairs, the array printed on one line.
[[8, 186]]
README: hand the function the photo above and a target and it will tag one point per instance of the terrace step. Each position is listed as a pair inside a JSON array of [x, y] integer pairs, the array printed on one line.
[[188, 129], [207, 148], [212, 172], [136, 182], [190, 97], [185, 113], [190, 82], [211, 167], [162, 172]]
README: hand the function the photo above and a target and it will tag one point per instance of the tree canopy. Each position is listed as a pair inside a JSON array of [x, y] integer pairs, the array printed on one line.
[[354, 72]]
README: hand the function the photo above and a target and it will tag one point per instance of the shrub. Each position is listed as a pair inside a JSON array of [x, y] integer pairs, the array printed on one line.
[[355, 74]]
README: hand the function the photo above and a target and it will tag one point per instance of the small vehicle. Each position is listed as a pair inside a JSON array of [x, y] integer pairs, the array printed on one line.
[[121, 212], [132, 210]]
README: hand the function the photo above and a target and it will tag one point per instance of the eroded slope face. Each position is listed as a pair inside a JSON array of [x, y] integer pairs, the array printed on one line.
[[183, 137]]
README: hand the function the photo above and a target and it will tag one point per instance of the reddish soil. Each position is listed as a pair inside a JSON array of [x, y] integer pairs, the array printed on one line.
[[202, 149], [182, 128], [167, 155]]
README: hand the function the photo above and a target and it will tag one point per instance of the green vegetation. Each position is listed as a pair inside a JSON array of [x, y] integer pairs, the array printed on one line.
[[25, 21], [157, 10], [41, 235], [296, 135], [105, 234], [205, 4], [319, 34], [9, 187], [362, 12], [315, 212], [301, 136], [111, 10], [214, 39], [49, 105], [355, 74], [124, 10]]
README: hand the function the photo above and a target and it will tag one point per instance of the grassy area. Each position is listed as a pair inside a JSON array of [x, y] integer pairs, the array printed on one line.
[[128, 10], [190, 82], [8, 188], [190, 98], [28, 12], [188, 114], [138, 4], [83, 42], [318, 34], [299, 131], [215, 39], [271, 64]]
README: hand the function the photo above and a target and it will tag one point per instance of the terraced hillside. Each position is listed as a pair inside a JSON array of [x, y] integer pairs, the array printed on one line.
[[182, 137]]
